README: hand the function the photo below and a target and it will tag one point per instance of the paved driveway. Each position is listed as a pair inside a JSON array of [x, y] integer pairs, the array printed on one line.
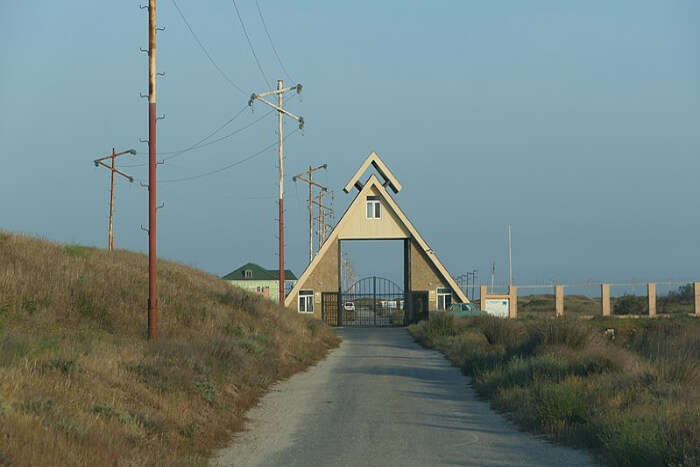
[[381, 400]]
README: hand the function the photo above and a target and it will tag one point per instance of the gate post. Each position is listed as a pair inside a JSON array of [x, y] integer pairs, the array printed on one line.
[[374, 298], [605, 299], [559, 299], [340, 285], [513, 302], [408, 296], [483, 292], [651, 294]]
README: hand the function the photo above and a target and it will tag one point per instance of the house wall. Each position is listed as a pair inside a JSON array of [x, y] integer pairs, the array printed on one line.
[[324, 278], [424, 276], [252, 286]]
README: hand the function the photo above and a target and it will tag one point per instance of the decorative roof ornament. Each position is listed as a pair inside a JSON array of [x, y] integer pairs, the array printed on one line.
[[380, 166]]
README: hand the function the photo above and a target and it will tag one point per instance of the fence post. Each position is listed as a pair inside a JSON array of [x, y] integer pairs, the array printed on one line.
[[483, 292], [605, 299], [513, 302], [559, 300], [651, 294], [696, 287]]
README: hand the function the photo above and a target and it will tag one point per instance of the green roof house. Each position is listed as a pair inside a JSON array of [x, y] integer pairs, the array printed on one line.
[[257, 279]]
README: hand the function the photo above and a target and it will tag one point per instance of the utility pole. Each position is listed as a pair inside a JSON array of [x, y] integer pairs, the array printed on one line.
[[280, 112], [510, 259], [323, 212], [113, 170], [152, 286], [475, 274], [493, 273], [310, 173]]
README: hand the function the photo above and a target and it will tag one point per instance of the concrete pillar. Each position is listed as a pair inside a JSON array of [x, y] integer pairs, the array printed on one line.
[[483, 292], [651, 294], [559, 299], [513, 302], [696, 286], [605, 299]]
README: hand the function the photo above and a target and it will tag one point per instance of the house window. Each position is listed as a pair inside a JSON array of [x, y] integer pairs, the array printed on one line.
[[444, 299], [306, 301], [248, 273], [374, 207]]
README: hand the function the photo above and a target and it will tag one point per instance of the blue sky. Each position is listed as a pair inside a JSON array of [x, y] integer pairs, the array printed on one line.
[[576, 122]]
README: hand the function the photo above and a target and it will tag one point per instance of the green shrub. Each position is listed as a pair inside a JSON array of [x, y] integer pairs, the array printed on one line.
[[630, 305], [440, 325], [566, 402], [632, 441], [501, 331]]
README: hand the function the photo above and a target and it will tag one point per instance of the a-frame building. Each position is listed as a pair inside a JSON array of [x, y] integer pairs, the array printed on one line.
[[374, 215]]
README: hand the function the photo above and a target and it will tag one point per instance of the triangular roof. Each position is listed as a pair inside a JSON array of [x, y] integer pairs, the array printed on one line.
[[383, 170], [373, 181], [258, 273]]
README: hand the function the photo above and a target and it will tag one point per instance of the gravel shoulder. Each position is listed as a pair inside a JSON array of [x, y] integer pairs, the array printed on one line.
[[381, 399]]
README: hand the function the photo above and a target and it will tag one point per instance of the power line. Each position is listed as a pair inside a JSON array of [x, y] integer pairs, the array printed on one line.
[[226, 136], [204, 49], [238, 13], [199, 144], [271, 43], [221, 169]]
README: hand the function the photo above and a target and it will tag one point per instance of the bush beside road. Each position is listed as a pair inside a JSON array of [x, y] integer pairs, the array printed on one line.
[[625, 389]]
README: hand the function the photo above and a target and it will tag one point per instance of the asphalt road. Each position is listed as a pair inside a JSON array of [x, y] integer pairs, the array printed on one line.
[[382, 400]]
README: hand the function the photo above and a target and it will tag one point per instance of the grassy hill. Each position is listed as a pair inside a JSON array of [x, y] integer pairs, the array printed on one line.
[[79, 383]]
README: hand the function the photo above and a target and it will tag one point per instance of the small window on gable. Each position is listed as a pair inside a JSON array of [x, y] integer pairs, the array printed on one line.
[[306, 301], [374, 207], [248, 273]]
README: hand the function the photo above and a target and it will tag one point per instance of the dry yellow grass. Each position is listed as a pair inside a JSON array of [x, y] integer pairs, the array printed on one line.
[[80, 385]]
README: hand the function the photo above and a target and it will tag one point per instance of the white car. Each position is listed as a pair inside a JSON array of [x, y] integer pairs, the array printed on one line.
[[349, 306]]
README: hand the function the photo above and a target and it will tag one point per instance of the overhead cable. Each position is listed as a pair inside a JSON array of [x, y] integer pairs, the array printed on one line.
[[204, 49], [274, 49], [250, 44], [201, 142], [229, 166]]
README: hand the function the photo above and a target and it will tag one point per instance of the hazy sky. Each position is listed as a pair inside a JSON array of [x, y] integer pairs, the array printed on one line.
[[577, 122]]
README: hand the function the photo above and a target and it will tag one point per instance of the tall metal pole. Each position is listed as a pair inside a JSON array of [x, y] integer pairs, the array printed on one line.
[[311, 215], [152, 288], [510, 259], [111, 204], [281, 167], [280, 113], [308, 177]]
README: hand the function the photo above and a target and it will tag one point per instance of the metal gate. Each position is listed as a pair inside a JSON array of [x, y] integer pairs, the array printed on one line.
[[329, 308], [373, 301]]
